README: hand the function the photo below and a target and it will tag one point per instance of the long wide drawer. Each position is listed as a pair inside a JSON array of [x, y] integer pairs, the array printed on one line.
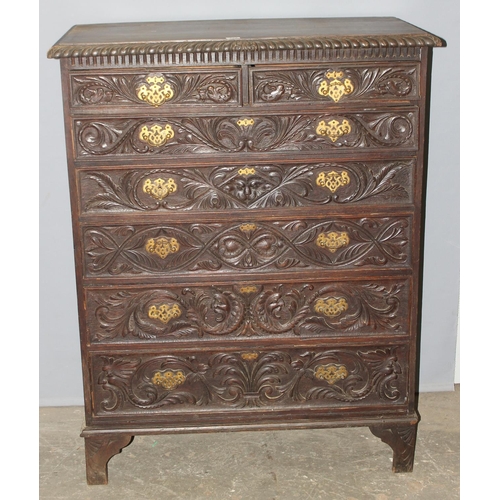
[[324, 309], [180, 248], [252, 186], [145, 136], [348, 378]]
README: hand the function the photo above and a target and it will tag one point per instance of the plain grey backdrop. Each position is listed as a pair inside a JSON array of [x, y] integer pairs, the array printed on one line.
[[59, 350]]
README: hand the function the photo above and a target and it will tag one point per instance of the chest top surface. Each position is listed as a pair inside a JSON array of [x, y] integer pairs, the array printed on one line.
[[229, 35]]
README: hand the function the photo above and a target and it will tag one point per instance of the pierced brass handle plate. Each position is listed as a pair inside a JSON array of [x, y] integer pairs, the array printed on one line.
[[169, 380], [331, 307], [332, 240], [331, 373], [155, 92], [159, 188], [156, 135], [164, 312], [333, 129], [333, 180], [162, 246], [335, 85]]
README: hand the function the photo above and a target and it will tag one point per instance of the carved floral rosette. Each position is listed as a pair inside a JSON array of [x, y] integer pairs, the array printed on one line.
[[277, 379]]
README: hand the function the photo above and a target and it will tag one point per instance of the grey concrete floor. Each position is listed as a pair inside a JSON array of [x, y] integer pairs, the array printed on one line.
[[346, 464]]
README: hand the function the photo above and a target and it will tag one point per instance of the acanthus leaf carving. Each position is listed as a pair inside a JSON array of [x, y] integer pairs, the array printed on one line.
[[209, 135], [376, 241], [274, 378], [256, 311], [263, 186], [312, 85], [168, 88]]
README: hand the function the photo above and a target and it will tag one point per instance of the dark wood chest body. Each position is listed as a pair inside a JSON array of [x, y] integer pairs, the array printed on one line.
[[247, 211]]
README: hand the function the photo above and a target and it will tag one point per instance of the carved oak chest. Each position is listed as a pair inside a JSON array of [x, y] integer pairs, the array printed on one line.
[[247, 215]]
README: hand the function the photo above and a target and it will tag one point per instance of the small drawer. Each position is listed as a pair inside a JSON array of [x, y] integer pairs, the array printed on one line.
[[224, 312], [156, 89], [335, 84], [227, 187], [279, 246], [177, 381], [147, 136]]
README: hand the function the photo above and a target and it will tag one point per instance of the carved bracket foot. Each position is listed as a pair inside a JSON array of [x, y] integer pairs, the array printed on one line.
[[401, 439], [98, 452]]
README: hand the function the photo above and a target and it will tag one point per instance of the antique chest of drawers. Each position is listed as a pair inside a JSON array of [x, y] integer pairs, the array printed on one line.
[[247, 211]]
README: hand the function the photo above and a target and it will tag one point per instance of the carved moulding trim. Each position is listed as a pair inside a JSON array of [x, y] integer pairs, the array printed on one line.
[[301, 48]]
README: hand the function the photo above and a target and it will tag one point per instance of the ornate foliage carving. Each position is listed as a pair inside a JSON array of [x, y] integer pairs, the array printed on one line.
[[311, 85], [119, 136], [262, 186], [336, 309], [125, 250], [234, 380], [123, 89]]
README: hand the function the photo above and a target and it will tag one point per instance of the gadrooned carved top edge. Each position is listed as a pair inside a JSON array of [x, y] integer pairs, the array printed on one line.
[[238, 46]]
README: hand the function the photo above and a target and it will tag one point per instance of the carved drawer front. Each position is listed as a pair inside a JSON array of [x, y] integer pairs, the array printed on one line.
[[189, 381], [343, 242], [248, 310], [148, 136], [251, 186], [335, 84], [156, 88]]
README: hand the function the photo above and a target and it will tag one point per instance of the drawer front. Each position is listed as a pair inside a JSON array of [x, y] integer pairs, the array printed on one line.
[[155, 89], [344, 378], [248, 310], [368, 242], [164, 136], [338, 84], [246, 187]]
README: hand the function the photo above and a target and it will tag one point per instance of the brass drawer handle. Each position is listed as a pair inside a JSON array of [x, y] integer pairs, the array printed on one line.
[[332, 240], [159, 188], [155, 135], [162, 246], [331, 307], [335, 85], [164, 312], [333, 180], [169, 380], [154, 93], [333, 129], [331, 373]]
